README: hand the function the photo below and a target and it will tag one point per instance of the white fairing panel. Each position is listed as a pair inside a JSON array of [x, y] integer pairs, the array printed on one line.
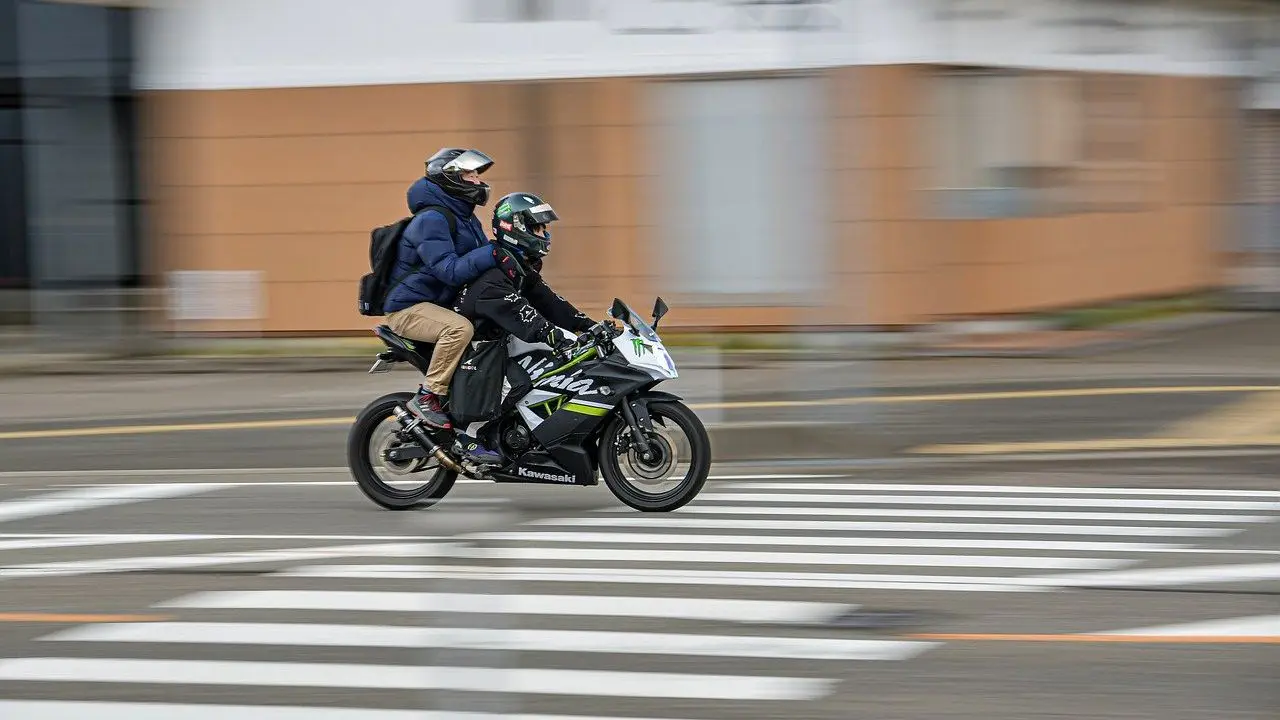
[[646, 354]]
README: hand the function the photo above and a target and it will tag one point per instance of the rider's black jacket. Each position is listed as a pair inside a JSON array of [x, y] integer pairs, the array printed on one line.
[[525, 307]]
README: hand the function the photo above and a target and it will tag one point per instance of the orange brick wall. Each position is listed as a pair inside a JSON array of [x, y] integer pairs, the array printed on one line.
[[290, 182]]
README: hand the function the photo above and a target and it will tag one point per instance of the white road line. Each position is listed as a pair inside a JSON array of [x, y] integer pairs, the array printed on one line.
[[90, 498], [170, 537], [835, 511], [402, 677], [570, 641], [648, 576], [272, 483], [1010, 489], [745, 611], [1169, 576], [987, 501], [818, 542], [855, 526], [65, 542], [1256, 626], [136, 564], [151, 472], [1078, 456], [783, 558], [74, 710]]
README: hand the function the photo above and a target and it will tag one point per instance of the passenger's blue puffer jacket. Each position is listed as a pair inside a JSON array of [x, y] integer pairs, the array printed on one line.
[[448, 266]]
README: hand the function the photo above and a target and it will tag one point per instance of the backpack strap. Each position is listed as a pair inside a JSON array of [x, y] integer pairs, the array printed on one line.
[[448, 216], [453, 234]]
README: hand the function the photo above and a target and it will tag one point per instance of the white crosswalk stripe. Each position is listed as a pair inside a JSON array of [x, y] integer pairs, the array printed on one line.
[[600, 606]]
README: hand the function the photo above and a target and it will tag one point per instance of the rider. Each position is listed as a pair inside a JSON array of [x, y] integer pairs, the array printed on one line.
[[512, 298], [435, 264]]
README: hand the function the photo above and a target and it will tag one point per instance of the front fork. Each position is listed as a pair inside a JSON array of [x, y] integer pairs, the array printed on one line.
[[636, 414]]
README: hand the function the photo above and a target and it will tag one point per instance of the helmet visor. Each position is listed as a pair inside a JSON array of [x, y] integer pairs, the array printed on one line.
[[542, 214], [469, 161]]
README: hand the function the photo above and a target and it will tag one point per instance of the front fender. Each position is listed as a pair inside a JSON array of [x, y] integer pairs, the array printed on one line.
[[653, 396], [640, 402]]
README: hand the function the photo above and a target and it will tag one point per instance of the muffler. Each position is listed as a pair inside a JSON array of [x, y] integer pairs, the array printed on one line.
[[413, 425]]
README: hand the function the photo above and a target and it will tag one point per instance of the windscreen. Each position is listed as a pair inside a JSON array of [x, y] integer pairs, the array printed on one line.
[[637, 324]]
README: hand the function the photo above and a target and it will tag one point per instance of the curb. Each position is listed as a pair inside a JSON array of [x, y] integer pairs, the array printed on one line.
[[930, 344]]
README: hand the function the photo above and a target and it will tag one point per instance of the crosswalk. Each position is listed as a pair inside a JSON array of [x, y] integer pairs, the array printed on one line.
[[730, 605]]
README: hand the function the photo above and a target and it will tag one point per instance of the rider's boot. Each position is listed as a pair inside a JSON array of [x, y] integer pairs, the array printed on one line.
[[473, 450], [430, 407]]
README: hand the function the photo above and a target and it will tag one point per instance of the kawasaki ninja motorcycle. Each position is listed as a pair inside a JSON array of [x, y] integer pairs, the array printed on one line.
[[563, 423]]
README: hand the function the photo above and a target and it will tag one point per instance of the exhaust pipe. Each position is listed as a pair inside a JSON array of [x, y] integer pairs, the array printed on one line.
[[414, 426]]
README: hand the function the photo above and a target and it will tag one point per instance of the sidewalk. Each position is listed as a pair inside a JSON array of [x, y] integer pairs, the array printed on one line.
[[975, 340]]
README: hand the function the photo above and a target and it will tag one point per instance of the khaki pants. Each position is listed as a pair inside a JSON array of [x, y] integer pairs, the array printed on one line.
[[449, 331]]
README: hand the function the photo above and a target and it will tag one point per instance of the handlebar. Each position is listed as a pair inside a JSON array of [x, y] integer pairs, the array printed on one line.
[[599, 335]]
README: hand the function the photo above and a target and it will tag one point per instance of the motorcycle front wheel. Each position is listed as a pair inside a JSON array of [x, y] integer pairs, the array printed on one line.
[[657, 484], [406, 485]]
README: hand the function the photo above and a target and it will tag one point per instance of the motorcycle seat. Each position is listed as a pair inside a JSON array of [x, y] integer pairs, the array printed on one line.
[[414, 352]]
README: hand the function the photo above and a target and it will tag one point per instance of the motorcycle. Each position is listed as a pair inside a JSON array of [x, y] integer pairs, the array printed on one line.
[[561, 423]]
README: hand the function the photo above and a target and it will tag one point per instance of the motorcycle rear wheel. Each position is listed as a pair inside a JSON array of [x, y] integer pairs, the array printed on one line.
[[359, 440]]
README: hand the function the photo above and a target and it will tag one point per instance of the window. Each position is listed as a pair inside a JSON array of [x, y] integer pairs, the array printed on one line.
[[1004, 141], [742, 218], [1111, 170], [1016, 144], [14, 272]]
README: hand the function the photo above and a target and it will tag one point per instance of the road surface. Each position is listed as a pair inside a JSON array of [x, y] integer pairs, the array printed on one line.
[[231, 569]]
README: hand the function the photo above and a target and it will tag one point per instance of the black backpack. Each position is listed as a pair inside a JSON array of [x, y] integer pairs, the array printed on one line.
[[384, 245]]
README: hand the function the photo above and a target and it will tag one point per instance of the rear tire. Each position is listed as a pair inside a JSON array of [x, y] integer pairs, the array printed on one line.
[[699, 464], [362, 466]]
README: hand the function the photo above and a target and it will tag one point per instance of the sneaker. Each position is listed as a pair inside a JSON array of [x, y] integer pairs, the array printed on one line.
[[475, 452], [428, 406]]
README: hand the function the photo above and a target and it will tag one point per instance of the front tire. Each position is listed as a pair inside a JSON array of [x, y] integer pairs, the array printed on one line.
[[359, 441], [616, 438]]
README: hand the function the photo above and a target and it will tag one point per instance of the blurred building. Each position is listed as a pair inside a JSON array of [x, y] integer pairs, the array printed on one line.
[[71, 234], [760, 163]]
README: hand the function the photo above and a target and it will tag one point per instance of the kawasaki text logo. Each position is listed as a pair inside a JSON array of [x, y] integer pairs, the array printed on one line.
[[526, 472]]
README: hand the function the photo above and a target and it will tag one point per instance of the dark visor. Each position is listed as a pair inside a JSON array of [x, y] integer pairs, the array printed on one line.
[[469, 161], [542, 214]]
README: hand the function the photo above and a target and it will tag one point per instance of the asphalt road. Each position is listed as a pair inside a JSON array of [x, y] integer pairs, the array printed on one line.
[[939, 592], [156, 430], [244, 569]]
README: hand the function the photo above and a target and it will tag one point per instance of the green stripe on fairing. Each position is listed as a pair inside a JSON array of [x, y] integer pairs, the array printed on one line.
[[572, 363], [586, 409]]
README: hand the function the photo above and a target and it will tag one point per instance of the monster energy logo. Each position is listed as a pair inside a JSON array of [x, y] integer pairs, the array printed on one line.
[[504, 209], [637, 345]]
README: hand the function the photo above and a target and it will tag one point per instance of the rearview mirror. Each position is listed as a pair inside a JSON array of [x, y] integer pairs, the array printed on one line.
[[619, 310], [659, 309]]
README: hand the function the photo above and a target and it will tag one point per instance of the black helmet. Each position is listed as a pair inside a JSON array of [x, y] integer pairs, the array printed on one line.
[[445, 169], [520, 221]]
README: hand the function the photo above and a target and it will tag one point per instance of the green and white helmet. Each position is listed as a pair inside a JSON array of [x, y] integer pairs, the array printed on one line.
[[520, 222]]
